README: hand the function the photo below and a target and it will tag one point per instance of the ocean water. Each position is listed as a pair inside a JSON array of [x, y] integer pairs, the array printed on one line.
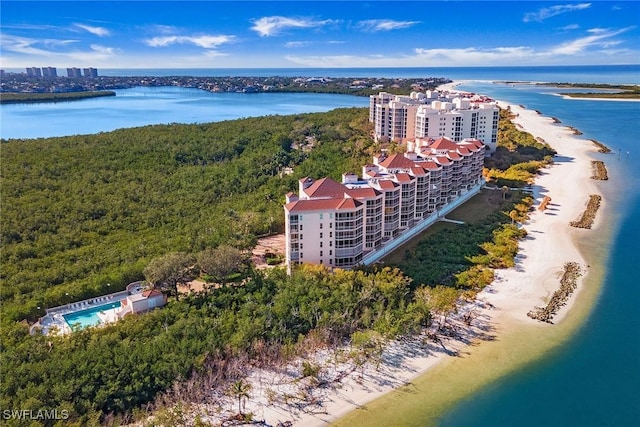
[[581, 74], [594, 378]]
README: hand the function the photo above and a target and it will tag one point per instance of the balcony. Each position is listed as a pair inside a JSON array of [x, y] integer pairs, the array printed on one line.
[[348, 252]]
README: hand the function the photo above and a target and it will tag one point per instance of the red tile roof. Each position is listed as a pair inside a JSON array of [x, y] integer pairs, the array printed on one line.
[[325, 187], [442, 160], [363, 193], [151, 293], [348, 203], [403, 177], [396, 161], [385, 184], [312, 205], [429, 164], [443, 144]]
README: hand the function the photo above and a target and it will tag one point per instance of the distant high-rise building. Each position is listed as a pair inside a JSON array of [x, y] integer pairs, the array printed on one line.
[[74, 72], [34, 72], [49, 72], [434, 115], [91, 72]]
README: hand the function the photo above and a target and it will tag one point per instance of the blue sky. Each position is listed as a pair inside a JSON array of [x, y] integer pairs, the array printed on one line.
[[295, 34]]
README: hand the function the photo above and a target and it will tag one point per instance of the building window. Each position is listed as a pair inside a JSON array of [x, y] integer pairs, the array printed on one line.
[[321, 235], [330, 252], [301, 236], [301, 255], [300, 245], [320, 226], [320, 253], [320, 216], [320, 244], [330, 225], [330, 243], [300, 227], [331, 234]]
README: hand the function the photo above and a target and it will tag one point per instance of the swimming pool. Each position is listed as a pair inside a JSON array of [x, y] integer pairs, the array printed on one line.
[[89, 316]]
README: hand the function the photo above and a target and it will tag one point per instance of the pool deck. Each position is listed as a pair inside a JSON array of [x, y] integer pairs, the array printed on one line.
[[54, 317]]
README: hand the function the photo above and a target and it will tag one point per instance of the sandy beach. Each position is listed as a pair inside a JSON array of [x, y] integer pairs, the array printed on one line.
[[285, 397]]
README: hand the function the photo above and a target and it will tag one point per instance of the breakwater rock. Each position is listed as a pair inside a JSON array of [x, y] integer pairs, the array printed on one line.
[[568, 284]]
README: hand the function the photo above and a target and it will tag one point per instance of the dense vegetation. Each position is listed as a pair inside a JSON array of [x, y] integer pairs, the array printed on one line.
[[463, 257], [518, 156], [82, 212], [17, 98], [113, 370], [625, 91], [86, 211]]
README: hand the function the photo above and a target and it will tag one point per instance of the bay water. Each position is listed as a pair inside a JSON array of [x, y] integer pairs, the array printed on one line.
[[141, 106], [591, 380]]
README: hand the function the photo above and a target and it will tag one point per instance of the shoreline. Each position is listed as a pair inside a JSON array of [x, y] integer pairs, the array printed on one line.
[[550, 243], [501, 330]]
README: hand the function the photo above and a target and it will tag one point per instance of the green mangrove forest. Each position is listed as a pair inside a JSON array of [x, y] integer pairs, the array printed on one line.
[[86, 215]]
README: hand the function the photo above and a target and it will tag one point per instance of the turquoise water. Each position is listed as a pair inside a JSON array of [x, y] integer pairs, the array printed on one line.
[[594, 378], [89, 317], [142, 106]]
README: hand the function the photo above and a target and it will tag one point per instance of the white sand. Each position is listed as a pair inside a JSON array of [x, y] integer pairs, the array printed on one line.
[[550, 241], [539, 266]]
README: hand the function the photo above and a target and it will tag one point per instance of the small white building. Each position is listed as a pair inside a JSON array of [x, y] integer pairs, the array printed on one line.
[[141, 302]]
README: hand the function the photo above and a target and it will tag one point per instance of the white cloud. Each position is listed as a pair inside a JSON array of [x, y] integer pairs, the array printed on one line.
[[204, 41], [29, 46], [163, 29], [598, 38], [22, 51], [297, 44], [98, 31], [385, 24], [273, 25], [104, 49], [597, 47], [549, 12], [569, 27]]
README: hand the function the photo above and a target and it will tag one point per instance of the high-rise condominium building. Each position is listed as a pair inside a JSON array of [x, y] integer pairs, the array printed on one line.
[[91, 72], [34, 72], [74, 72], [337, 223], [434, 115], [49, 72]]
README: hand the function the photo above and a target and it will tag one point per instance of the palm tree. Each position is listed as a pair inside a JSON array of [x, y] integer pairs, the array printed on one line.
[[240, 390], [513, 215]]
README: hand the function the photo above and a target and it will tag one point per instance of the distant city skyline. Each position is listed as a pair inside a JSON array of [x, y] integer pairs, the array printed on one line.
[[317, 34]]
